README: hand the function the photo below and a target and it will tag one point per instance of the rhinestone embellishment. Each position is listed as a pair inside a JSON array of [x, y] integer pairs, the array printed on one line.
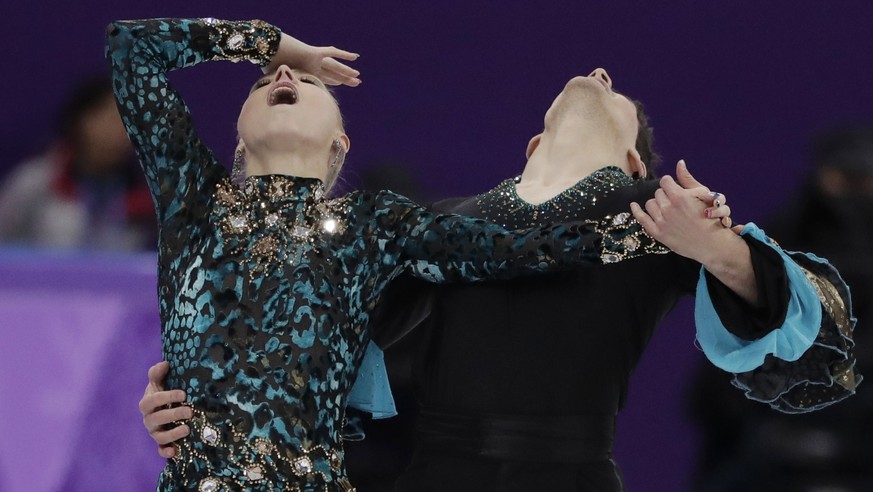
[[209, 435], [255, 472], [329, 225], [631, 243], [504, 206], [256, 463], [235, 42], [301, 232], [237, 222], [303, 465], [620, 219], [274, 221], [209, 484], [263, 446]]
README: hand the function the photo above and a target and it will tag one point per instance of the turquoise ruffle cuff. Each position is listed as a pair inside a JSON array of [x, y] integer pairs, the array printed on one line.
[[803, 365]]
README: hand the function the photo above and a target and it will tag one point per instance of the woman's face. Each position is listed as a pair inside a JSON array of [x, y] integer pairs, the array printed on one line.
[[289, 110]]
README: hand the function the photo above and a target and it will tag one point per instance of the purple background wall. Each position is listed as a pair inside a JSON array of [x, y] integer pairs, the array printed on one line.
[[456, 88]]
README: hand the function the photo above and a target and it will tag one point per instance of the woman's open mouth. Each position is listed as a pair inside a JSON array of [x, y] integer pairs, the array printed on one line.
[[283, 93]]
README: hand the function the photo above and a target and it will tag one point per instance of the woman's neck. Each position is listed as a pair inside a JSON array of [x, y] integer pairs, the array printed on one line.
[[285, 163]]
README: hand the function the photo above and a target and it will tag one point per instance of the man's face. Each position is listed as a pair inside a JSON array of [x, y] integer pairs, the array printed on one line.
[[592, 99]]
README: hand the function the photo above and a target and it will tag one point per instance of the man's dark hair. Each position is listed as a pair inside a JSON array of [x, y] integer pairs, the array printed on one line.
[[645, 141]]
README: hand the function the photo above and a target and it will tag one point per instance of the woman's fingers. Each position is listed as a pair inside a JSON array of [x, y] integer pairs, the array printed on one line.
[[334, 72], [717, 213], [332, 65], [341, 54]]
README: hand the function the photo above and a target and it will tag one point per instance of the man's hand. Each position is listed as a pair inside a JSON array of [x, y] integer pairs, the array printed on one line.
[[716, 202], [321, 61], [679, 216], [680, 219], [157, 417]]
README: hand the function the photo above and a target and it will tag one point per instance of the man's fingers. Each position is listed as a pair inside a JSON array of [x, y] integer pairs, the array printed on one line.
[[166, 416], [171, 435], [654, 210], [154, 400], [156, 420], [684, 177], [157, 374], [661, 198], [644, 219], [167, 451], [670, 186]]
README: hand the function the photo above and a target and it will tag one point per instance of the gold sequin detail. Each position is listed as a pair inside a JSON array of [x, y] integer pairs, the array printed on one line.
[[832, 302], [835, 307], [257, 459], [269, 226], [239, 41], [624, 238]]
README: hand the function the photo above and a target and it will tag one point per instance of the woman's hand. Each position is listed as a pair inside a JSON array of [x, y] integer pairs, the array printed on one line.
[[681, 218], [716, 203], [321, 61], [686, 216], [157, 416]]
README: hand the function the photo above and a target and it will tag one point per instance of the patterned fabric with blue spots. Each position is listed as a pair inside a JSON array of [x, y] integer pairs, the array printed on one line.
[[266, 288]]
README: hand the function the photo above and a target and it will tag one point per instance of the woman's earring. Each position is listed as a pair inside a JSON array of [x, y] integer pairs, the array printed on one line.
[[635, 175], [236, 174], [339, 156]]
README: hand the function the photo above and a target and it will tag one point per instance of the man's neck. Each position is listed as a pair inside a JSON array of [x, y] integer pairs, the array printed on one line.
[[558, 164]]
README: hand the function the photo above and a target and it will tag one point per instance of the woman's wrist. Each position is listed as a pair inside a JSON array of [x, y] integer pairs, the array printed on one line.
[[255, 40]]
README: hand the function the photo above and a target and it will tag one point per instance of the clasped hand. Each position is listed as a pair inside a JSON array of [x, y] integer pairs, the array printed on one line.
[[681, 214]]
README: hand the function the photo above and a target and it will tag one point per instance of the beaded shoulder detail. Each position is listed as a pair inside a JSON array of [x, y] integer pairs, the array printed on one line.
[[623, 236], [502, 204]]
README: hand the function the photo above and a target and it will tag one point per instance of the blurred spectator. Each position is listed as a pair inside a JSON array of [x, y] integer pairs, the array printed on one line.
[[85, 190], [748, 448]]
